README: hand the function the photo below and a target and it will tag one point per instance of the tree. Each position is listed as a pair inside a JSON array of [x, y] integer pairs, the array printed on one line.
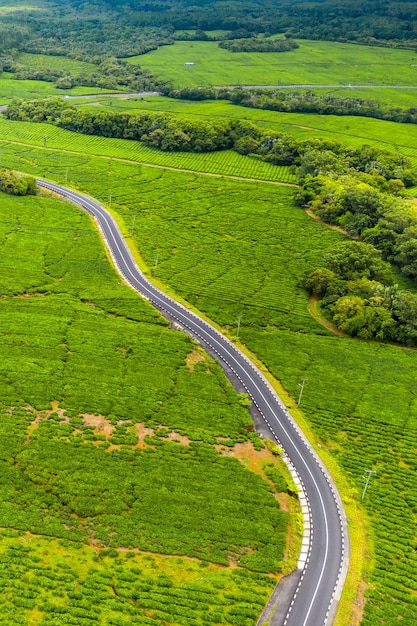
[[366, 319], [355, 259], [317, 281], [246, 145]]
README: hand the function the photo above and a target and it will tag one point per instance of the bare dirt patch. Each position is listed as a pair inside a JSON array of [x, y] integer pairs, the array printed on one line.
[[182, 439], [253, 459], [43, 415], [101, 425], [359, 605], [142, 431], [331, 226], [193, 358]]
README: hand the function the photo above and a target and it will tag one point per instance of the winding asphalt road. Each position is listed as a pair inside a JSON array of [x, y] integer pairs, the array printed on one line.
[[324, 557]]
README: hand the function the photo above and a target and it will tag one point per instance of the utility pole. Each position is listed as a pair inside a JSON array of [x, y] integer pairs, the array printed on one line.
[[238, 325], [66, 176], [110, 198], [44, 141], [156, 261], [301, 385], [367, 478]]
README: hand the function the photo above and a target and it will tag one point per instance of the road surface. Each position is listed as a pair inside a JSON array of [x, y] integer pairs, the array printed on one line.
[[324, 557]]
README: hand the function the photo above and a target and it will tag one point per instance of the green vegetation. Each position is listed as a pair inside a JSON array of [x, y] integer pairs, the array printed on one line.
[[400, 97], [225, 163], [47, 581], [129, 448], [257, 44], [314, 62], [125, 29], [140, 416], [31, 89], [15, 185], [349, 130], [58, 63], [309, 102], [360, 399], [346, 378], [359, 291], [109, 73]]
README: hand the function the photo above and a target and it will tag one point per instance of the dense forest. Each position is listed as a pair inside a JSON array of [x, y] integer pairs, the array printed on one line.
[[125, 28], [379, 20], [107, 32]]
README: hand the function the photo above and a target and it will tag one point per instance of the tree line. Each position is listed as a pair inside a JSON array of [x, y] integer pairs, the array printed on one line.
[[167, 132], [376, 22], [259, 44], [299, 101], [360, 284], [124, 28], [111, 73], [322, 104]]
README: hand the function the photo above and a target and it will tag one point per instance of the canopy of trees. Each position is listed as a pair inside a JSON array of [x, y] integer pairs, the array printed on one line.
[[309, 102], [124, 28], [257, 44], [371, 22], [16, 185], [360, 296], [359, 291], [111, 73]]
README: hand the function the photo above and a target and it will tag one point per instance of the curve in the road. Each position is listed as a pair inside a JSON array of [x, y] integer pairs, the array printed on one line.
[[324, 556]]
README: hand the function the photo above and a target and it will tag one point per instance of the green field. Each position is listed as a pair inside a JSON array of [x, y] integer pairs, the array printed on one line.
[[212, 251], [350, 130], [86, 366], [31, 89], [227, 162], [347, 379], [48, 581], [313, 62], [45, 61]]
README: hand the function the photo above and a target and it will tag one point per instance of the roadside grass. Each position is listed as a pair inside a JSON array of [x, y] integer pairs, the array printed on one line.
[[314, 62], [360, 400]]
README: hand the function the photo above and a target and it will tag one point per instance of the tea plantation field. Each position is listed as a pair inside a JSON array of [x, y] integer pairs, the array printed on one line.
[[31, 89], [45, 61], [227, 162], [235, 248], [108, 442], [314, 62], [350, 130], [50, 581]]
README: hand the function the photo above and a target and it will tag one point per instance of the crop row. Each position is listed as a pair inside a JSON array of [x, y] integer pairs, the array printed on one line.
[[67, 591], [224, 163]]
